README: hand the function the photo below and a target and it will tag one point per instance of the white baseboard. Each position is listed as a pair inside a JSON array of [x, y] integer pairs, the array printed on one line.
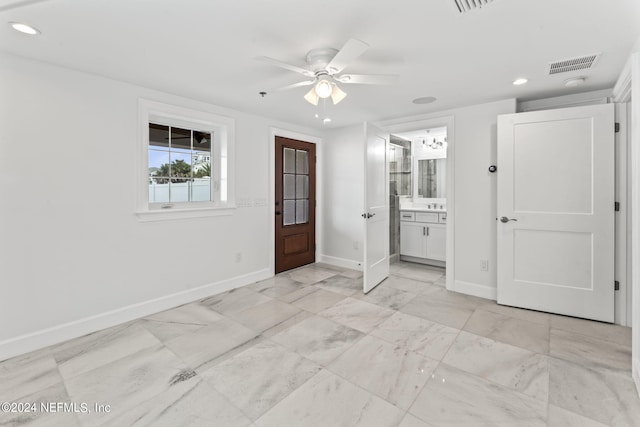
[[475, 289], [636, 374], [57, 334], [340, 262]]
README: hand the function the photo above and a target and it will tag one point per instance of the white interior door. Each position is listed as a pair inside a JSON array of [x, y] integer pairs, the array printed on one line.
[[556, 211], [376, 208]]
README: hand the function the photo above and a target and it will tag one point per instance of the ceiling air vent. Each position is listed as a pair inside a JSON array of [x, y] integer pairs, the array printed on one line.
[[468, 5], [573, 64]]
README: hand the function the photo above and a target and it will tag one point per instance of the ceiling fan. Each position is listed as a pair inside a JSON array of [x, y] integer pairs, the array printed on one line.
[[325, 66]]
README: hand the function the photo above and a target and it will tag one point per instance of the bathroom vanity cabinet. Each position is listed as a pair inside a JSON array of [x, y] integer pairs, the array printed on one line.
[[423, 236]]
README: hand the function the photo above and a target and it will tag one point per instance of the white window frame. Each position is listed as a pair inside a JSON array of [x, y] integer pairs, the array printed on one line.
[[222, 149]]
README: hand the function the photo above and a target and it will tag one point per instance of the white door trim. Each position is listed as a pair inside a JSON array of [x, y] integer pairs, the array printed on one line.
[[447, 121], [273, 133], [634, 62]]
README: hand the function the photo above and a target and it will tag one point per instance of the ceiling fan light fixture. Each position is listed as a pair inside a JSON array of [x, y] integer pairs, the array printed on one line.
[[337, 94], [312, 97], [324, 88]]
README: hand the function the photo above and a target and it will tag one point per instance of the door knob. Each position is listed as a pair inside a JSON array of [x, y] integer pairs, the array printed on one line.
[[504, 219], [367, 215]]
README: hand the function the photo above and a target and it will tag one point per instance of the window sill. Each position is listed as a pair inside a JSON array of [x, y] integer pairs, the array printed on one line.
[[184, 213]]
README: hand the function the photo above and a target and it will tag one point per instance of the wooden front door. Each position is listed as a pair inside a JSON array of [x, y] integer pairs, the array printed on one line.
[[295, 203]]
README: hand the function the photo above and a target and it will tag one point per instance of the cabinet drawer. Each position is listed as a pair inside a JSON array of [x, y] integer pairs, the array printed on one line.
[[442, 217], [427, 217], [407, 216]]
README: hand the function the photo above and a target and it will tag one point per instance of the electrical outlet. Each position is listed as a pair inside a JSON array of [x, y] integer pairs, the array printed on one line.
[[484, 265], [356, 245], [238, 256]]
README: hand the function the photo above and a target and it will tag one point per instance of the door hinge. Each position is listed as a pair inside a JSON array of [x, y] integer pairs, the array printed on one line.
[[616, 285], [616, 206], [617, 127]]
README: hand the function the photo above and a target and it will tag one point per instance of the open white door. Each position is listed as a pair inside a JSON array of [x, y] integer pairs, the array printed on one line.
[[376, 205], [556, 211]]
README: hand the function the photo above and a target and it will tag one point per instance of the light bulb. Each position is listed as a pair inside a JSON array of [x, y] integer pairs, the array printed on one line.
[[324, 88]]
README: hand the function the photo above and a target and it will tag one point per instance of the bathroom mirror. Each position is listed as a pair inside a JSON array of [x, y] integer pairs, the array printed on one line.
[[431, 178]]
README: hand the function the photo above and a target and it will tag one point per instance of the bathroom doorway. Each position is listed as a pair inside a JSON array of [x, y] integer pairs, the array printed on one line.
[[418, 196]]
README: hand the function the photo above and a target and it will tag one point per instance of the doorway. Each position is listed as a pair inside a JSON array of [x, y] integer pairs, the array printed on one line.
[[295, 203], [418, 183], [417, 130]]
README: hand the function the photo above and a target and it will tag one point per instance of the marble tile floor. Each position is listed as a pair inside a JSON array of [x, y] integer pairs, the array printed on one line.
[[307, 348]]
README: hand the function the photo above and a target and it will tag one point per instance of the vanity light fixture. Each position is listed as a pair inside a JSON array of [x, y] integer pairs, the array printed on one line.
[[24, 28], [435, 144]]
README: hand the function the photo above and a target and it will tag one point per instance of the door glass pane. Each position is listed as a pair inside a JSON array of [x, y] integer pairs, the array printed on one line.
[[289, 212], [302, 211], [302, 161], [302, 186], [289, 186], [289, 160]]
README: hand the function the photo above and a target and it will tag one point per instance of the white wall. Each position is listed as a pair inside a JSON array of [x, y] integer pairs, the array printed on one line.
[[476, 195], [73, 256], [343, 197]]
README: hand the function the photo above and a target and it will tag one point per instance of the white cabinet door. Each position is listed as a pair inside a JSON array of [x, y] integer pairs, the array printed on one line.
[[436, 242], [556, 211], [412, 239]]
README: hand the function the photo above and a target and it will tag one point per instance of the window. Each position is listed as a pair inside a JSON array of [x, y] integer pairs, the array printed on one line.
[[185, 159], [179, 164]]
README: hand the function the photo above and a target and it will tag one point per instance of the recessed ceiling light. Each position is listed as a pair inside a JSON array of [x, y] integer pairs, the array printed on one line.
[[424, 100], [520, 81], [326, 120], [574, 81], [24, 28]]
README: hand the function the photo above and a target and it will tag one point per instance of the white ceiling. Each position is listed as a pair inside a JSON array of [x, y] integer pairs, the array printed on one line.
[[206, 49]]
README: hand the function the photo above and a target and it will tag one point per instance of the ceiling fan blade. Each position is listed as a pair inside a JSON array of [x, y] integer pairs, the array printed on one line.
[[286, 66], [295, 85], [367, 79], [350, 51]]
